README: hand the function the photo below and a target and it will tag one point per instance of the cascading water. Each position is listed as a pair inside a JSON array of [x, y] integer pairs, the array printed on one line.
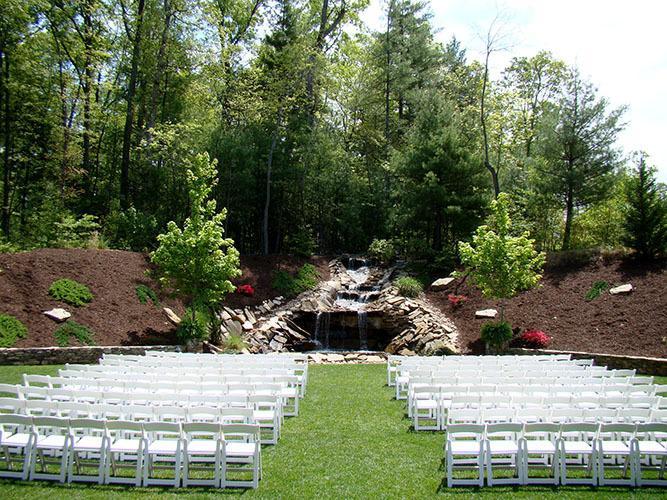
[[318, 321], [362, 320]]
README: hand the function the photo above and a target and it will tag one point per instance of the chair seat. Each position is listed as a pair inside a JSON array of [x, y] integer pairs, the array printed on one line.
[[652, 448], [263, 414], [88, 443], [577, 447], [615, 447], [503, 447], [18, 439], [240, 449], [426, 404], [202, 447], [125, 446], [163, 446], [48, 442], [540, 447], [464, 447]]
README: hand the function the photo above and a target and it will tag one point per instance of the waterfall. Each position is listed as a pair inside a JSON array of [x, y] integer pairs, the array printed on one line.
[[318, 321], [327, 327], [362, 320]]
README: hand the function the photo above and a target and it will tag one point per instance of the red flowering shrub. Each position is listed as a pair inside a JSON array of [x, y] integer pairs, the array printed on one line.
[[245, 290], [534, 339], [456, 300]]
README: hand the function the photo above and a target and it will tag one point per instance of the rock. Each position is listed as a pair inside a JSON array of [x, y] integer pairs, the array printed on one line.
[[248, 314], [617, 290], [406, 352], [247, 326], [59, 314], [275, 346], [441, 284], [486, 313], [172, 316], [280, 338], [438, 348], [335, 358], [234, 327], [374, 359], [224, 316]]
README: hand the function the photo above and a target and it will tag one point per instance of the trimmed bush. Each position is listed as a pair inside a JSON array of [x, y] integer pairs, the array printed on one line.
[[497, 334], [146, 293], [598, 288], [11, 329], [71, 329], [193, 326], [409, 287], [70, 291], [291, 286]]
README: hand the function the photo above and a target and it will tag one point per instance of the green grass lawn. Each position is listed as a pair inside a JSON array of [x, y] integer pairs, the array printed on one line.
[[351, 440]]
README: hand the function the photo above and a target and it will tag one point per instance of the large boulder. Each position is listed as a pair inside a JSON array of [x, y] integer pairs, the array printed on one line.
[[622, 289], [441, 284]]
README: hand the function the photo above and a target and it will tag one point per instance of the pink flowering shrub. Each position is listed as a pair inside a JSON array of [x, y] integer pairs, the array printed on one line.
[[533, 339], [247, 290], [456, 300]]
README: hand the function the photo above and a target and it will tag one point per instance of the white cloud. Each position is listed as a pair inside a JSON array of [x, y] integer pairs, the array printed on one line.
[[618, 45]]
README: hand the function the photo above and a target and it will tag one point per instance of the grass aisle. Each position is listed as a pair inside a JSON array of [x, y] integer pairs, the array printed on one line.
[[351, 440]]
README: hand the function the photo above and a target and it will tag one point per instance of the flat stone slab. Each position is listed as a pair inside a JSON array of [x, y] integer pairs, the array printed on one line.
[[58, 314], [441, 284], [172, 316], [486, 313], [617, 290]]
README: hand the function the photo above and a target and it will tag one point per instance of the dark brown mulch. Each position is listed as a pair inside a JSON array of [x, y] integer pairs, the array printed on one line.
[[634, 324], [115, 315], [258, 271]]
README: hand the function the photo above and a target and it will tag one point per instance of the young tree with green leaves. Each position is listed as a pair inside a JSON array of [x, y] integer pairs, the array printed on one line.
[[646, 216], [197, 261], [499, 263]]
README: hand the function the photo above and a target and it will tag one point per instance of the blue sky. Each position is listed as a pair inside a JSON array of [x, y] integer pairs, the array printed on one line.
[[620, 46]]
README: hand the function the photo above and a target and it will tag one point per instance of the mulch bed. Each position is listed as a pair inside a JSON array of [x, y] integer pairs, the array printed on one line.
[[634, 324], [115, 314]]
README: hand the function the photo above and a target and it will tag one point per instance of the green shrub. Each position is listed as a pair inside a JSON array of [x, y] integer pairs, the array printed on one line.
[[382, 251], [132, 230], [193, 326], [78, 233], [234, 344], [71, 292], [497, 334], [145, 293], [409, 287], [71, 329], [598, 288], [11, 329], [302, 243], [291, 286]]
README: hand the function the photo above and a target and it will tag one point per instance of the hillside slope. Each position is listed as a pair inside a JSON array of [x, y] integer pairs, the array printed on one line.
[[634, 324]]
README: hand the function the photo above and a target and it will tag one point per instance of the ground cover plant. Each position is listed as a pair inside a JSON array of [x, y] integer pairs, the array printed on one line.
[[11, 329], [598, 288], [351, 440], [292, 285], [146, 293], [71, 292], [71, 330], [409, 287]]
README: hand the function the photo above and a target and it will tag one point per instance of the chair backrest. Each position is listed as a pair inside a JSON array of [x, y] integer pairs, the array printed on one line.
[[124, 426], [12, 405], [503, 430], [465, 431], [12, 389], [242, 432], [651, 431], [616, 431], [13, 421], [541, 430], [579, 430], [202, 429], [51, 424], [163, 429]]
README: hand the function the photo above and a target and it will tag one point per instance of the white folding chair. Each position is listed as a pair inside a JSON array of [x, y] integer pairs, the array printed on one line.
[[539, 448], [502, 451], [578, 450], [464, 449], [51, 438], [163, 452], [242, 455], [16, 441], [88, 445], [614, 444], [650, 447], [126, 444], [203, 444]]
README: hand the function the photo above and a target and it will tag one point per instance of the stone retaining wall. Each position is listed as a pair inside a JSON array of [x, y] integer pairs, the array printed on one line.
[[650, 366], [62, 355]]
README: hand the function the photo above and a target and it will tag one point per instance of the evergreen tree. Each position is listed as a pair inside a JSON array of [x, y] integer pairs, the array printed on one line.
[[646, 217]]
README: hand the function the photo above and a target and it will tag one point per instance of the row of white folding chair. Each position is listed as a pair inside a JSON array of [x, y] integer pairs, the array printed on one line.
[[259, 410], [212, 363], [523, 448], [300, 357], [432, 415], [192, 371], [108, 445], [154, 399]]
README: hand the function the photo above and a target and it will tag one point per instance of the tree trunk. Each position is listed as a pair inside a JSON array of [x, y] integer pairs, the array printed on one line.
[[569, 214], [387, 84], [6, 178], [267, 203], [485, 136], [87, 89], [160, 66], [129, 115]]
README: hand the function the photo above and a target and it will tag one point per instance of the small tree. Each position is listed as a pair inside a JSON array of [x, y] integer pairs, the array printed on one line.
[[197, 261], [646, 216], [500, 264]]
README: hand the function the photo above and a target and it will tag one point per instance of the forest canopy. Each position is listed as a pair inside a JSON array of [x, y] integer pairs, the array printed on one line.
[[327, 134]]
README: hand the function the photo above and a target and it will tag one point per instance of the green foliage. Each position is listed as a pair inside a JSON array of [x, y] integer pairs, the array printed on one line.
[[382, 250], [73, 330], [146, 293], [132, 230], [409, 287], [646, 217], [234, 344], [301, 243], [70, 291], [11, 329], [500, 264], [598, 288], [291, 286], [194, 325], [496, 334], [197, 261], [81, 232]]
